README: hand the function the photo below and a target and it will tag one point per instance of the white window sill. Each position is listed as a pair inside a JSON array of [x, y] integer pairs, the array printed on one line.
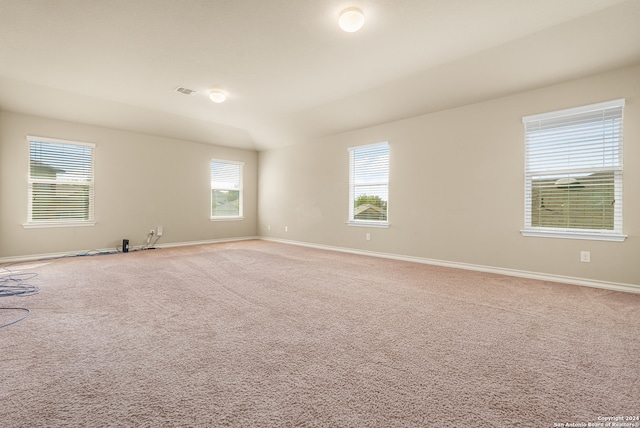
[[575, 234], [362, 223], [226, 218], [44, 224]]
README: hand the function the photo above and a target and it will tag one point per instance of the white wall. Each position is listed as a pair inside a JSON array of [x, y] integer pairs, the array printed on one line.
[[456, 187], [141, 181]]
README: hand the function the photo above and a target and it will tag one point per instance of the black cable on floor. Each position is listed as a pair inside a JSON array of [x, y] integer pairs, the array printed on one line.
[[19, 319], [13, 284]]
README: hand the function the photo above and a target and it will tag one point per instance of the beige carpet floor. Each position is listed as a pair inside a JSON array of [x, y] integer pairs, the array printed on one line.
[[262, 334]]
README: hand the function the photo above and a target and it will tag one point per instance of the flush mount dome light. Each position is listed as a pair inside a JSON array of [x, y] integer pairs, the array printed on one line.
[[351, 20], [217, 96]]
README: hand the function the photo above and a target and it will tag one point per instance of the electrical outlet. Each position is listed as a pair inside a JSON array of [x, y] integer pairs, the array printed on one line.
[[368, 237], [152, 232], [286, 228], [159, 231], [585, 256], [268, 227]]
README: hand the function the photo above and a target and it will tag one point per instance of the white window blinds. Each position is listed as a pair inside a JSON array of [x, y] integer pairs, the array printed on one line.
[[61, 182], [226, 189], [369, 184], [573, 170]]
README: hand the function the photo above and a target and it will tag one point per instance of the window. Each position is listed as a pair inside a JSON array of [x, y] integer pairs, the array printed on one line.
[[61, 185], [369, 185], [226, 190], [573, 173]]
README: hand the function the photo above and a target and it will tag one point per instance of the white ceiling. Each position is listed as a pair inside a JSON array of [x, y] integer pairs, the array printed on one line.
[[290, 73]]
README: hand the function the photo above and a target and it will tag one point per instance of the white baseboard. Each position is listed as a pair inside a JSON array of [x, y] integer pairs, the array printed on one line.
[[207, 241], [615, 286], [47, 256], [79, 253]]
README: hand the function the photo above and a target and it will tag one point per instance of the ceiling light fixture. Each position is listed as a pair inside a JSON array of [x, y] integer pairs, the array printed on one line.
[[217, 96], [351, 20]]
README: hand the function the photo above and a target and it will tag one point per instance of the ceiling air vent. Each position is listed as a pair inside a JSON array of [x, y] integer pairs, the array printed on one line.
[[185, 91]]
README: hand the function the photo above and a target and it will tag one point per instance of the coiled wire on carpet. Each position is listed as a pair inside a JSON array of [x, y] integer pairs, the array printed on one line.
[[14, 284]]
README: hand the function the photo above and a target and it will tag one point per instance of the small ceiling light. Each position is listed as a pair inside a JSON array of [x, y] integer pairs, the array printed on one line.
[[351, 20], [217, 96]]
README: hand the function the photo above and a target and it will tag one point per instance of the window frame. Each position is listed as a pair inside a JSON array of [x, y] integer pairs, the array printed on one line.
[[565, 117], [352, 221], [240, 190], [49, 223]]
